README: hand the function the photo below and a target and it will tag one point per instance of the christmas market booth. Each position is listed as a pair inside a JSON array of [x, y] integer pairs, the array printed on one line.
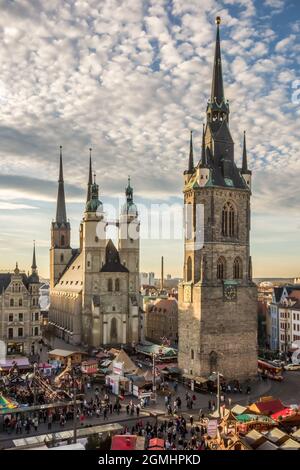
[[120, 369], [127, 442], [161, 353]]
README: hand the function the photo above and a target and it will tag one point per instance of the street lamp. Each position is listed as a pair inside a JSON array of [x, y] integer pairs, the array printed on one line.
[[34, 383], [218, 392], [154, 355], [154, 377], [74, 408]]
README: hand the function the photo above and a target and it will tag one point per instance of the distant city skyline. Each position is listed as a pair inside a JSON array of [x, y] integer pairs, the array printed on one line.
[[132, 85]]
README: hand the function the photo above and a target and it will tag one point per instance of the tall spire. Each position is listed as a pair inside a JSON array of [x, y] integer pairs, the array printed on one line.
[[217, 89], [90, 182], [93, 204], [61, 215], [245, 163], [129, 192], [33, 266], [203, 150], [217, 108], [191, 155]]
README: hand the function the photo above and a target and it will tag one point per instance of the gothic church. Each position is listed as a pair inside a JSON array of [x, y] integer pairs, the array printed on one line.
[[94, 297]]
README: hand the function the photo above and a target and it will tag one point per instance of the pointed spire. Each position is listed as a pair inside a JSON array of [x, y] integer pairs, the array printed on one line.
[[90, 181], [93, 204], [203, 152], [217, 89], [61, 215], [61, 174], [17, 271], [33, 266], [191, 155], [129, 191], [245, 164]]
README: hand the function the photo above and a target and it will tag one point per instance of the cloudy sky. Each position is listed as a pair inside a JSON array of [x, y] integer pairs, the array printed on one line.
[[131, 78]]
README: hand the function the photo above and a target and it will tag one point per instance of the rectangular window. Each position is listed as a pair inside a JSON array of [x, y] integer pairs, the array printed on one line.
[[36, 316], [20, 316], [10, 333], [36, 331], [20, 332], [11, 317], [20, 303]]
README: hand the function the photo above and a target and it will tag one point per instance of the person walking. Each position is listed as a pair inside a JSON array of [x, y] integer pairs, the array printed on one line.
[[50, 419], [35, 423], [19, 426], [27, 425]]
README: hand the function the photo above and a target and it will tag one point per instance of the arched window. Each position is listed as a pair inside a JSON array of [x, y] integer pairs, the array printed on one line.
[[221, 268], [228, 220], [109, 285], [237, 268], [189, 269], [213, 361], [62, 240], [113, 331], [117, 285]]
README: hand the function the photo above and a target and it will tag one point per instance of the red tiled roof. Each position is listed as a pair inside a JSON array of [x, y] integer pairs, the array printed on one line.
[[284, 413], [270, 406]]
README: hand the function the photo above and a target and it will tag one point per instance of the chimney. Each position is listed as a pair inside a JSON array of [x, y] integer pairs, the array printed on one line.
[[162, 274]]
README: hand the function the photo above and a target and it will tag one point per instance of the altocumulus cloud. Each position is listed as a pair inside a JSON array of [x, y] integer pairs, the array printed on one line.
[[131, 78]]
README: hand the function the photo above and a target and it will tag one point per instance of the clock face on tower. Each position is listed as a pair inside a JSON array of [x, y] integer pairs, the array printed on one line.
[[230, 293]]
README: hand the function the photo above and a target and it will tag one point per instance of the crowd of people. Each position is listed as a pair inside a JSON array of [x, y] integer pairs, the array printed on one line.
[[176, 433], [101, 404]]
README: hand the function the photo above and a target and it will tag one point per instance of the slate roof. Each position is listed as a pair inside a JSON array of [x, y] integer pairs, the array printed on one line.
[[5, 279], [278, 293], [112, 260]]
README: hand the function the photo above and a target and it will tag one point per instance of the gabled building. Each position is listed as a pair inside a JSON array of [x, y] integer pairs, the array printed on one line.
[[285, 317], [19, 310], [217, 298], [94, 296]]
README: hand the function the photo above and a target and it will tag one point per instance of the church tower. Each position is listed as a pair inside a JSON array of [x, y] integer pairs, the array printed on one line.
[[60, 251], [129, 250], [217, 298], [129, 240], [93, 255]]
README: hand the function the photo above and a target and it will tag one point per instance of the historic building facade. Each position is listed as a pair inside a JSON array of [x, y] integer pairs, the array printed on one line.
[[161, 321], [20, 311], [94, 290], [217, 299]]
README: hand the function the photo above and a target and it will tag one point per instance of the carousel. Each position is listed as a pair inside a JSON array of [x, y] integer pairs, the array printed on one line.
[[30, 388]]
